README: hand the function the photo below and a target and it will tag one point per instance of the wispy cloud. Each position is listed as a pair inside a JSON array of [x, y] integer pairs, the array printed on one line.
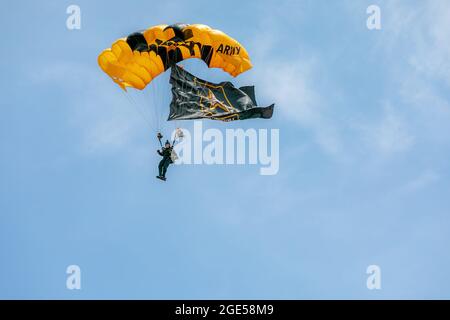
[[389, 135], [431, 56], [290, 83], [425, 179], [414, 48], [103, 116], [417, 50], [290, 86]]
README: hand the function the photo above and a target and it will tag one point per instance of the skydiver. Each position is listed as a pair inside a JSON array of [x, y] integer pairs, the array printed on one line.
[[166, 153]]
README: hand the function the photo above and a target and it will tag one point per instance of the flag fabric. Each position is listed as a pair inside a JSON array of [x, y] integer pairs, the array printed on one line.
[[194, 98]]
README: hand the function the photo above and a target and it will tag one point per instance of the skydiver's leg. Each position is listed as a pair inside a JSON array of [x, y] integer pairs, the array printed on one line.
[[161, 167], [165, 166]]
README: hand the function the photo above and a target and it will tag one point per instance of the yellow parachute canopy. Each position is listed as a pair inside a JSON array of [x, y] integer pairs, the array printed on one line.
[[136, 60]]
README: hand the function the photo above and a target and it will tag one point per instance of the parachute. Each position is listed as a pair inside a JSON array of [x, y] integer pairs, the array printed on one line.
[[141, 57], [140, 61]]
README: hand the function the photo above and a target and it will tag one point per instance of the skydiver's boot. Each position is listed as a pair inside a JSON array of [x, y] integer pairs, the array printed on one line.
[[161, 178]]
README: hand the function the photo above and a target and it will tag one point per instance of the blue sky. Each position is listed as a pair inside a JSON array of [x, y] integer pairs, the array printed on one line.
[[364, 147]]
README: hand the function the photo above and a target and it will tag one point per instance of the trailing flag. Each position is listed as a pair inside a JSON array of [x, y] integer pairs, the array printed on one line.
[[194, 98]]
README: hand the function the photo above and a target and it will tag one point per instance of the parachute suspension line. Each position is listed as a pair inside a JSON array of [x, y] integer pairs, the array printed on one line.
[[140, 110], [135, 105], [144, 104], [157, 106], [162, 100], [176, 121], [150, 94], [159, 101], [148, 98]]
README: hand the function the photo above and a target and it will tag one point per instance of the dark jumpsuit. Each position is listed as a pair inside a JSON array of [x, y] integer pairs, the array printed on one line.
[[165, 162]]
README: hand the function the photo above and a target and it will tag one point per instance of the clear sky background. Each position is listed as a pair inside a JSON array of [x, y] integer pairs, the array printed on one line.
[[364, 119]]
